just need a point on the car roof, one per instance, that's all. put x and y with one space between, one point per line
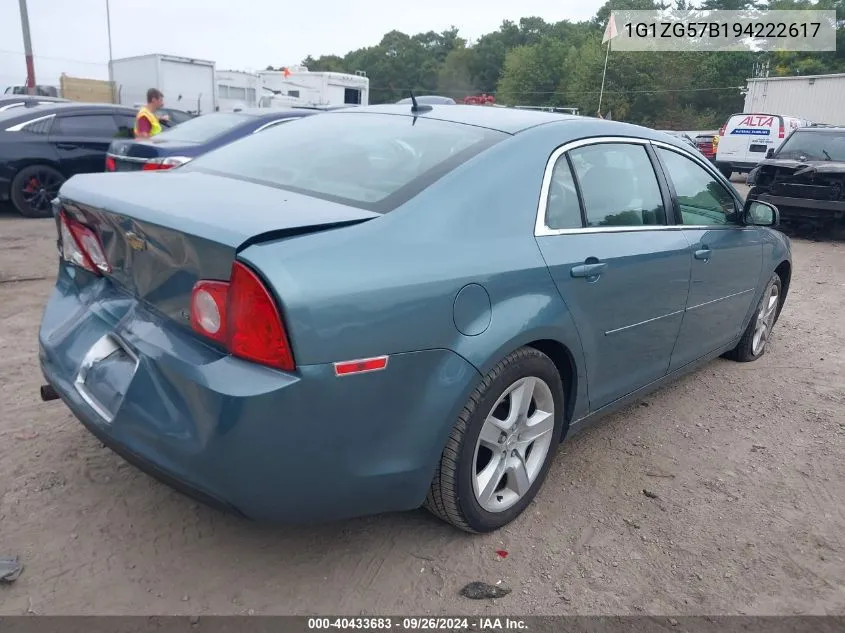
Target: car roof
822 129
514 120
508 120
60 108
272 112
25 98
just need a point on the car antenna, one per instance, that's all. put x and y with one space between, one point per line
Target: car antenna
417 107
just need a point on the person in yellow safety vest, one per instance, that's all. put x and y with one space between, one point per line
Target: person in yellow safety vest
147 123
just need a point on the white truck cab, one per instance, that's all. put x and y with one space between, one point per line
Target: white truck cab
745 139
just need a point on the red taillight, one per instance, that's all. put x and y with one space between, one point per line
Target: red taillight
242 315
110 164
81 246
168 162
781 131
155 166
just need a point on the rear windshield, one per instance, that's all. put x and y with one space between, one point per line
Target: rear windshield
372 161
814 146
204 128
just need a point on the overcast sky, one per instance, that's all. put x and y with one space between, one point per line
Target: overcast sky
70 35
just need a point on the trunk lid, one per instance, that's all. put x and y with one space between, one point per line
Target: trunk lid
130 155
163 231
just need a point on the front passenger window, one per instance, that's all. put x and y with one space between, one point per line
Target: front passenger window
702 199
618 185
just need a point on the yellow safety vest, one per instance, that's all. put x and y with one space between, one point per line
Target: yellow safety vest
155 125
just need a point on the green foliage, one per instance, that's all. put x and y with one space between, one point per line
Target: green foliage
533 62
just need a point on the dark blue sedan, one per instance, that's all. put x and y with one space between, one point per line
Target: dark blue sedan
195 137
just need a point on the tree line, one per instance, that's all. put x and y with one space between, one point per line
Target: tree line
537 63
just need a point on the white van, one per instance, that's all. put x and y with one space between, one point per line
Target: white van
746 138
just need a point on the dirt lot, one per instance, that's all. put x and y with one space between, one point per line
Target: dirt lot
746 462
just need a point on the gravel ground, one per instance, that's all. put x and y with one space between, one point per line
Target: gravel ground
743 464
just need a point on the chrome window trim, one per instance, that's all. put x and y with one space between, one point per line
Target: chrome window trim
272 123
128 159
542 230
19 126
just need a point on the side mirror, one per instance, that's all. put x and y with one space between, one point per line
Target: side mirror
759 213
770 153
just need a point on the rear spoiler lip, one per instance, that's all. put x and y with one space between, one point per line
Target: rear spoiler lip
279 234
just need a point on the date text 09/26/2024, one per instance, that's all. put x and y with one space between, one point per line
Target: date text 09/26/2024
417 624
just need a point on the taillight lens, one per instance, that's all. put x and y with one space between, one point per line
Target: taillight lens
781 131
81 246
208 309
110 164
242 315
168 162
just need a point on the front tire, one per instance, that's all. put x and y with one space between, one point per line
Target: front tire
755 339
502 446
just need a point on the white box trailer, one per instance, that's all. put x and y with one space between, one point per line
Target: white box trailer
188 84
237 89
818 98
302 87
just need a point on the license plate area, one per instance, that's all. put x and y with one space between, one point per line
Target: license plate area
105 375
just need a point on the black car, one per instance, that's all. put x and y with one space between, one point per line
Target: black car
44 145
176 116
805 179
197 136
7 102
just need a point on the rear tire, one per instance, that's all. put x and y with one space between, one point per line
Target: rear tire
33 189
756 337
484 482
727 172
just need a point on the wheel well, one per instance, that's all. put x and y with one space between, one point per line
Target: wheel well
562 358
784 271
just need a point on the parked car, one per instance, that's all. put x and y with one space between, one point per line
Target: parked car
805 177
745 138
375 309
193 138
428 100
176 116
21 101
707 143
42 146
682 136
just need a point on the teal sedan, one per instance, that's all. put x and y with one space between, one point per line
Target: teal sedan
389 307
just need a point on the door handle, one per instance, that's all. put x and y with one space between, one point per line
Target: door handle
588 270
66 145
703 254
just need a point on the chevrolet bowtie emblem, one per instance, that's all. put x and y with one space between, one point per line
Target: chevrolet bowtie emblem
136 243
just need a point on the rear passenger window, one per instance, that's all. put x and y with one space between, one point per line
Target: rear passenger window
96 125
563 211
618 185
